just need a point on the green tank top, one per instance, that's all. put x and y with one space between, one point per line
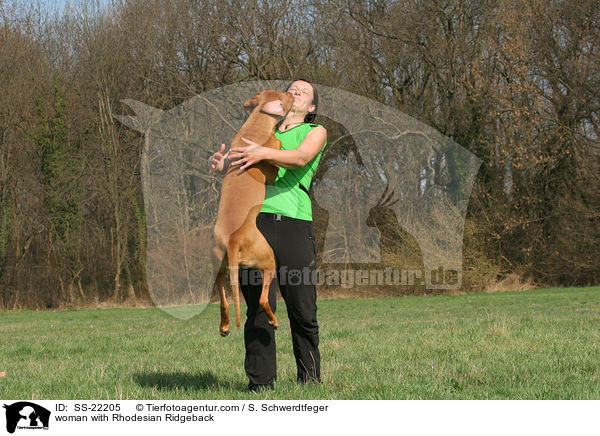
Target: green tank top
288 195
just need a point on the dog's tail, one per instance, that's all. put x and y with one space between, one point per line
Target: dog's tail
233 251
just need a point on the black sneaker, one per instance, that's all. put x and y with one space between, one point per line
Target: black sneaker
261 388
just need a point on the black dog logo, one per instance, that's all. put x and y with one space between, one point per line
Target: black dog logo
30 413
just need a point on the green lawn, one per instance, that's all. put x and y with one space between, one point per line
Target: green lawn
541 344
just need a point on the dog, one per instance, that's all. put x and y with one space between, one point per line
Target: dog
237 240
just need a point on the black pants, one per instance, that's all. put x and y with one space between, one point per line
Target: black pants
293 243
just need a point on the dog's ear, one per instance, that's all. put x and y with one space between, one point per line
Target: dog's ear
252 103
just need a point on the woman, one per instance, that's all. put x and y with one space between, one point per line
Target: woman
286 222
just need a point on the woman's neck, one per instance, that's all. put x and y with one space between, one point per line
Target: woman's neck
291 121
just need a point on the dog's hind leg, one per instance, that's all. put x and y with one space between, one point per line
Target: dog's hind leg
256 253
266 264
233 250
220 283
217 262
267 277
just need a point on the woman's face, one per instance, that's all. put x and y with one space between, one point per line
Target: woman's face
303 96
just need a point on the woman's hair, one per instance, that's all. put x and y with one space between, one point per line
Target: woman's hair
310 117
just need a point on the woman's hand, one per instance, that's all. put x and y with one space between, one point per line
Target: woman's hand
217 161
247 156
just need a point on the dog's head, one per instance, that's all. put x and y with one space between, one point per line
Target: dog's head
271 102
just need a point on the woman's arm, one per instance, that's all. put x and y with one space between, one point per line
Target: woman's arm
306 151
219 162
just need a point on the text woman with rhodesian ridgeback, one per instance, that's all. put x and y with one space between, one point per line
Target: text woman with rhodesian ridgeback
285 220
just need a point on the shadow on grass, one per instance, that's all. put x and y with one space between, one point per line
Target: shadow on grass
183 380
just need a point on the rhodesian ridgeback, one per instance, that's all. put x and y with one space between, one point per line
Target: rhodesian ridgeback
237 240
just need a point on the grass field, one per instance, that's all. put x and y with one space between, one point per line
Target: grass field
540 344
